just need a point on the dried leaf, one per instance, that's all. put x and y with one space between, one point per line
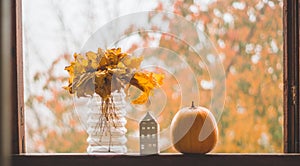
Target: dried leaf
143 98
107 71
146 82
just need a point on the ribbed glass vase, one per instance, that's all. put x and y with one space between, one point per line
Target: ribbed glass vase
107 136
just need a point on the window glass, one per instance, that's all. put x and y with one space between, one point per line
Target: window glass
245 37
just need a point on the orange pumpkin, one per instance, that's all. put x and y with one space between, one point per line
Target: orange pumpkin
194 130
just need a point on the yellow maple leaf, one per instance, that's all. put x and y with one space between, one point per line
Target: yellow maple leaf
143 98
146 82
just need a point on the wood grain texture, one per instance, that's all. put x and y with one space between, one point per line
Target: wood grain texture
17 97
291 76
165 160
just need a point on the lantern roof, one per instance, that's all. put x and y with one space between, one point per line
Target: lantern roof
148 117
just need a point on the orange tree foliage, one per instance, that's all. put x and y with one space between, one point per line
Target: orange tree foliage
51 123
247 35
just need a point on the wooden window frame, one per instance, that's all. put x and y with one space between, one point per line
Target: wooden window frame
291 76
291 155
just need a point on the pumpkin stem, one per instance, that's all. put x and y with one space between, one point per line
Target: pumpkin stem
193 106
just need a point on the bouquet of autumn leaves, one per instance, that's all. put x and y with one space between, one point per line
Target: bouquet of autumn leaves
104 72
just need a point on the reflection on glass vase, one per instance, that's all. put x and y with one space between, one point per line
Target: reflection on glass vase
107 136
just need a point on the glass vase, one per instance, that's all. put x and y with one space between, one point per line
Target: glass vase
107 136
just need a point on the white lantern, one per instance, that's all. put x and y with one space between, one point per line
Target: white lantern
149 130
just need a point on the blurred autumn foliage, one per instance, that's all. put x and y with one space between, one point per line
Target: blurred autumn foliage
248 37
54 126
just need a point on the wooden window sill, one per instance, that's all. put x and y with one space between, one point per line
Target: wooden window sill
74 159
